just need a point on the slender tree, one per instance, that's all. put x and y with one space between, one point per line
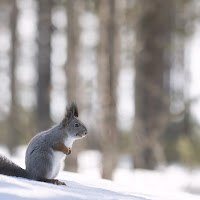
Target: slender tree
108 63
14 135
181 122
73 30
152 62
44 63
72 74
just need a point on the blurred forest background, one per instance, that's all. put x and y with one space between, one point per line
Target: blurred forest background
129 65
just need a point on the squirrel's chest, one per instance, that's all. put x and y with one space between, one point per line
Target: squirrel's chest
58 158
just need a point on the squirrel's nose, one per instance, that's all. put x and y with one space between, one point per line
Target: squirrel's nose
85 131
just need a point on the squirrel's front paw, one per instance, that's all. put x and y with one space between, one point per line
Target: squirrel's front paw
69 151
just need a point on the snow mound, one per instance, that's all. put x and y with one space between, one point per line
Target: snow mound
84 187
78 188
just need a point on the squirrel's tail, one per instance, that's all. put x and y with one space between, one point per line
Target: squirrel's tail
9 168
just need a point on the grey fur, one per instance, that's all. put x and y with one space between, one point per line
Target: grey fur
41 159
11 169
74 109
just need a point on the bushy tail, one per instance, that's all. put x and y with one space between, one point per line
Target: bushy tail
9 168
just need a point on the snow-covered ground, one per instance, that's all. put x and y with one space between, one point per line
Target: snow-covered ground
78 187
169 183
146 186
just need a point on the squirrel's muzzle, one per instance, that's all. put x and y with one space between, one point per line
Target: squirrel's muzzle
82 134
85 131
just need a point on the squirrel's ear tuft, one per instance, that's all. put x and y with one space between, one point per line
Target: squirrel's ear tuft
74 109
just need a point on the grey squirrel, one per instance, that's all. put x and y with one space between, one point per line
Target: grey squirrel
47 150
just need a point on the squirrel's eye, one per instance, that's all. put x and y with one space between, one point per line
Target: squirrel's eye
76 125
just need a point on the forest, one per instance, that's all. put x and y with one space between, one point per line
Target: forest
128 64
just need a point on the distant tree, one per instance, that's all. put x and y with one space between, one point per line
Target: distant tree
44 63
108 63
72 73
182 126
152 69
73 31
14 134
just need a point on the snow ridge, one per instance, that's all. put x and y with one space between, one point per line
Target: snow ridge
78 188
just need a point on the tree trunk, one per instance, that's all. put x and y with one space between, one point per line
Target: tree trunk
14 134
72 74
73 30
108 55
44 60
152 61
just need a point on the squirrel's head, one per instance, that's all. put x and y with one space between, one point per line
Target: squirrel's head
74 127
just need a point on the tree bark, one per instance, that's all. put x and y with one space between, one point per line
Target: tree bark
108 63
72 73
14 134
152 62
73 30
44 64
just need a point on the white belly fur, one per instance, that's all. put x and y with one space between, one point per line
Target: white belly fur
58 158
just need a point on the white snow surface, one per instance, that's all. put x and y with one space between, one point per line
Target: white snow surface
167 183
83 187
78 187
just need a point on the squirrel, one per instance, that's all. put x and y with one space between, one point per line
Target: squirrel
47 150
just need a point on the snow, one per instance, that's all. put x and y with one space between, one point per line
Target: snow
166 183
171 183
144 185
78 187
138 185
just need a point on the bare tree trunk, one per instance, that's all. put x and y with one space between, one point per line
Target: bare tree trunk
153 61
72 74
108 55
14 135
44 62
73 30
